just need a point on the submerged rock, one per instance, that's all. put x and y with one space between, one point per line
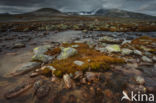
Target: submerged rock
109 39
113 48
67 52
17 91
41 89
79 63
28 67
19 45
91 76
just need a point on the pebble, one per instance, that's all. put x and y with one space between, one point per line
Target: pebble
79 63
140 80
137 52
19 45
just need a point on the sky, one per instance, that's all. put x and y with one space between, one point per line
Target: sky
22 6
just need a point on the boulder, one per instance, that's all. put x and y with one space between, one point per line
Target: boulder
42 58
41 49
67 52
39 54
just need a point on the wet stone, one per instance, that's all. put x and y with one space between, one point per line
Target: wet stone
137 52
19 45
42 91
146 59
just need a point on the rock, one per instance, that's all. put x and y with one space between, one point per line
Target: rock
108 39
82 41
39 54
91 43
103 44
42 91
34 74
132 65
126 51
154 58
102 50
83 80
37 85
148 54
140 80
42 58
137 52
67 80
17 91
75 46
78 74
91 76
28 67
41 49
144 48
146 59
67 52
113 48
19 45
79 63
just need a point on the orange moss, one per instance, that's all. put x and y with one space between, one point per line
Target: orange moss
145 42
92 59
53 52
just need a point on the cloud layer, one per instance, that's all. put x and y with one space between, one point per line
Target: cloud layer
21 6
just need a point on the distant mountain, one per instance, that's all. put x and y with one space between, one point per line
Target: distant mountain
45 12
122 14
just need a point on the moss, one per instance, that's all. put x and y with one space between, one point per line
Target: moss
96 61
58 73
55 51
145 43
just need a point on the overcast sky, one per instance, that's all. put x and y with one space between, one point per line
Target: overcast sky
21 6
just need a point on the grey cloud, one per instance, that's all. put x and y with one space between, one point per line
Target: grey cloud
19 6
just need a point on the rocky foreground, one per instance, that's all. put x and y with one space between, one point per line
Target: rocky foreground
86 69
